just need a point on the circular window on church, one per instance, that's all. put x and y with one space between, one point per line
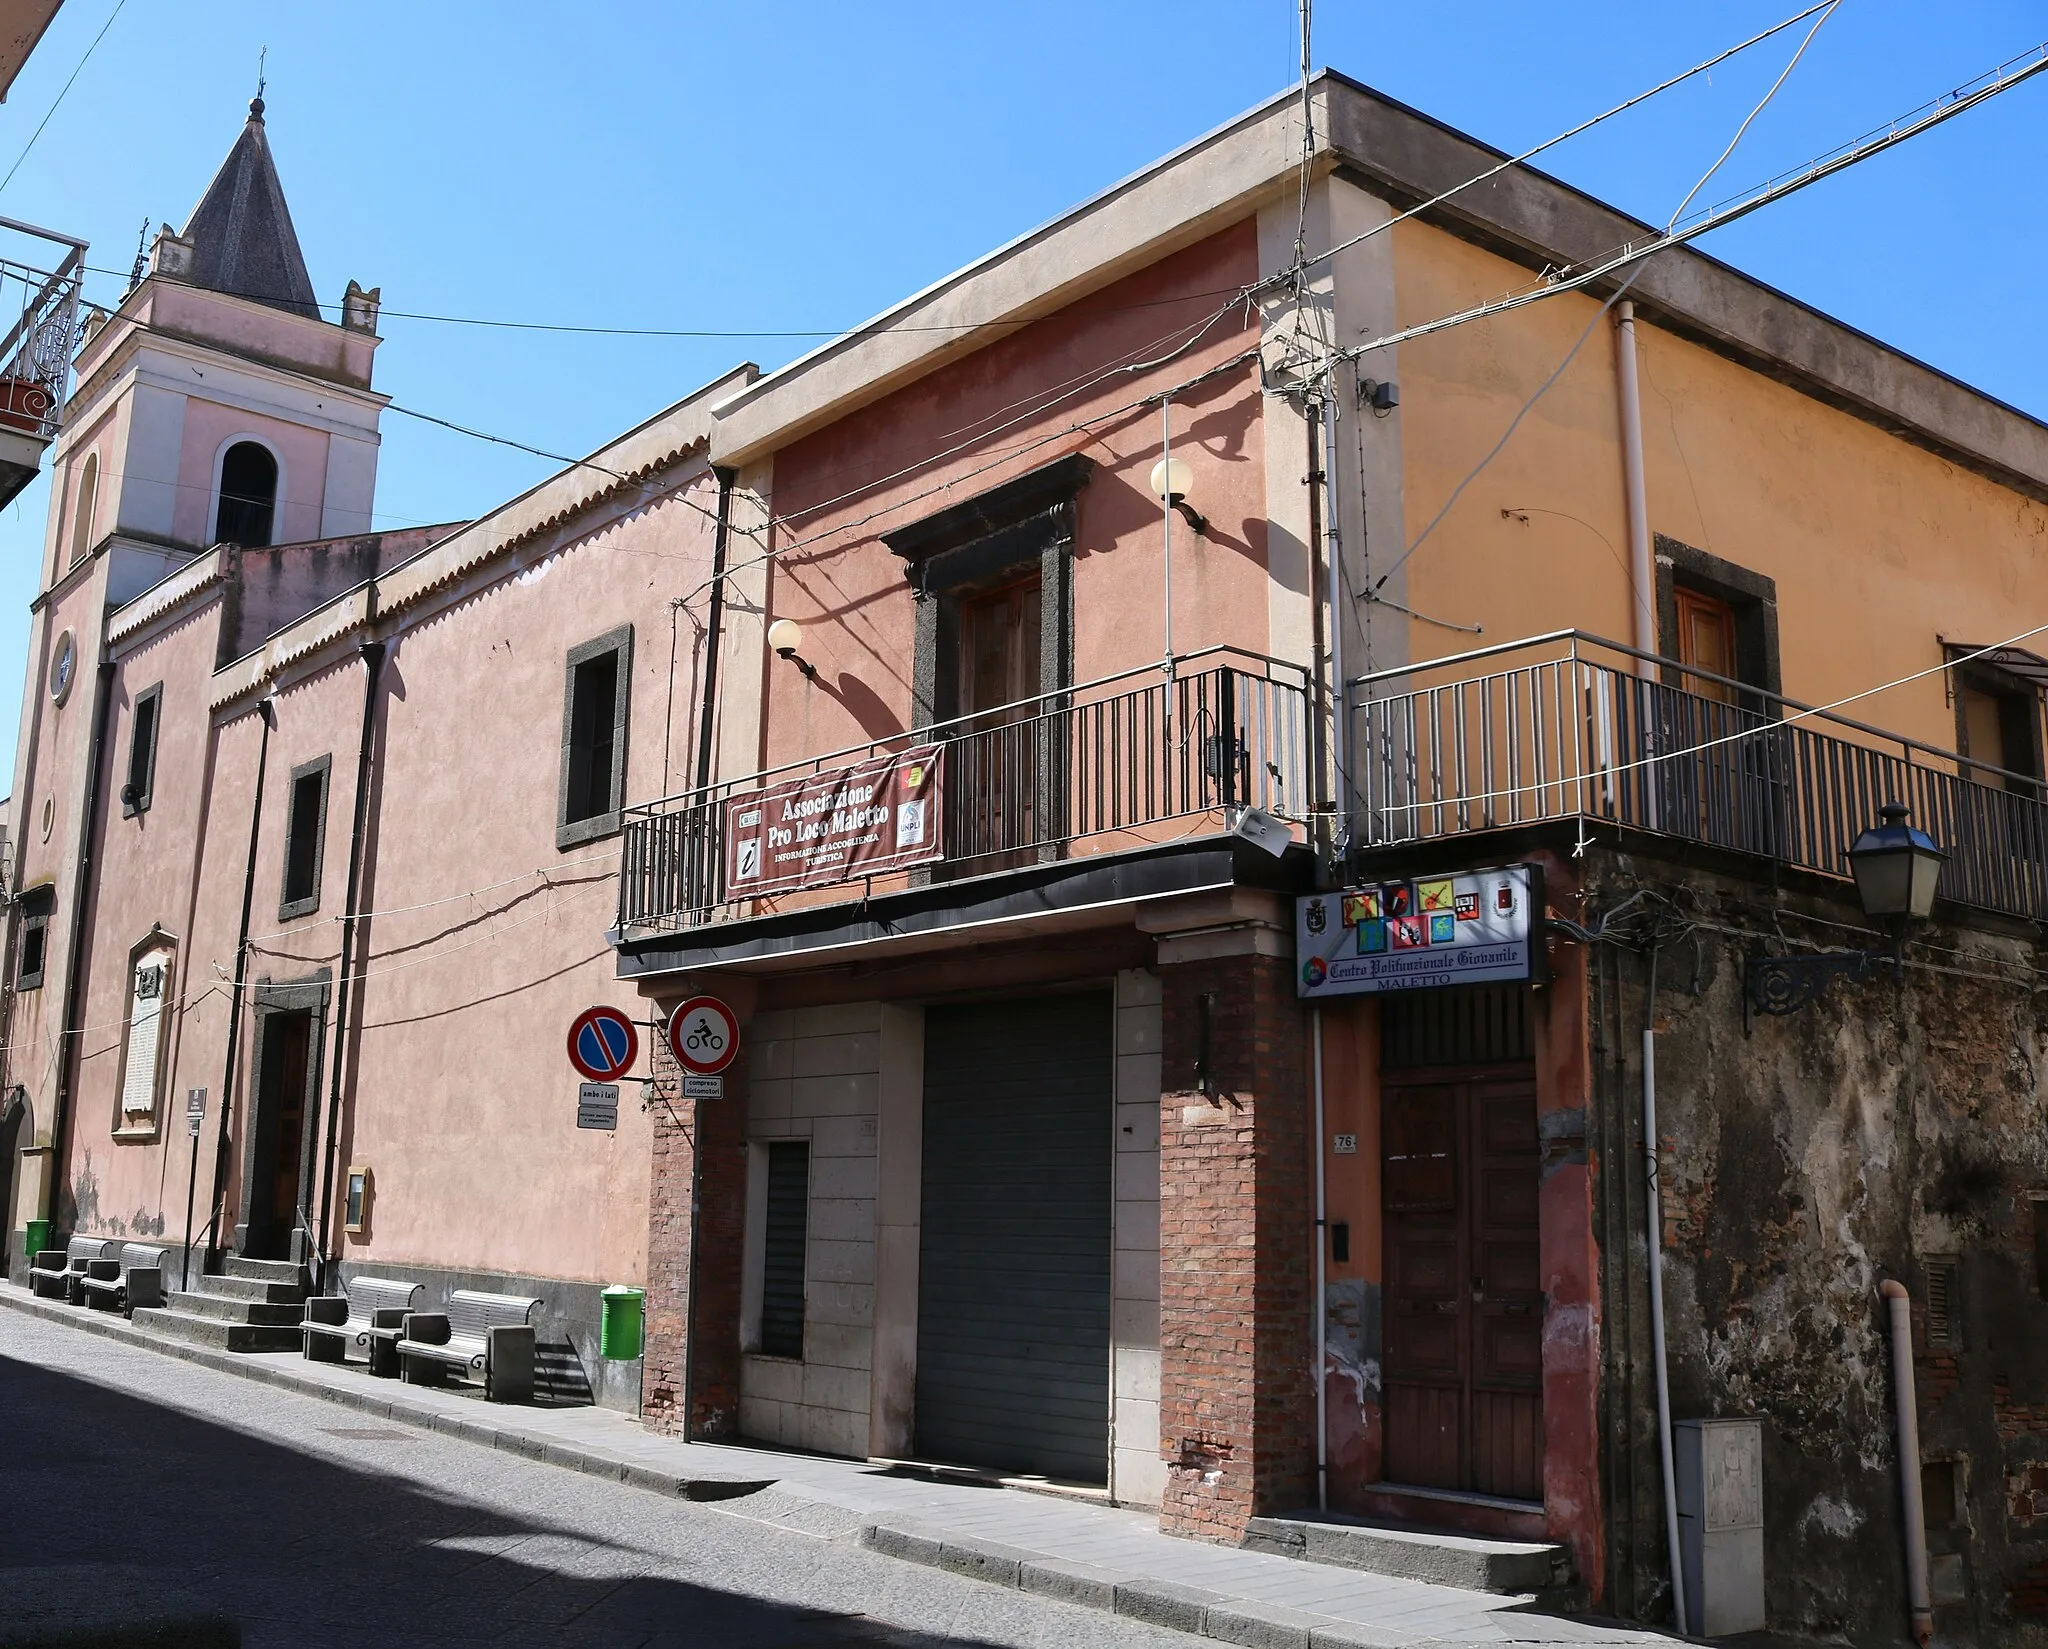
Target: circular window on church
63 666
49 815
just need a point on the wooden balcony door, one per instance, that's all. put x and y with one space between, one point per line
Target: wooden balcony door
993 784
1463 1297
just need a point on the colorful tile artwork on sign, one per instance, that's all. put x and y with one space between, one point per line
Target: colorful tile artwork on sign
1470 928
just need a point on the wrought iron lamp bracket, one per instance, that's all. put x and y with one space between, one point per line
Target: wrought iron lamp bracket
1780 985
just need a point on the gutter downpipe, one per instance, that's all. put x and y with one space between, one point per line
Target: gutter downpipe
1322 1283
705 722
266 712
74 976
1654 1204
373 671
1340 710
1642 569
1900 1305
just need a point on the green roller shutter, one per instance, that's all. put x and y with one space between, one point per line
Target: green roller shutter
1014 1259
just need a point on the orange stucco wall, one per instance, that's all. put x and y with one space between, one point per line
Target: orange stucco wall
1879 549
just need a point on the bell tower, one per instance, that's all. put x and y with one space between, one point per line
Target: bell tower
218 403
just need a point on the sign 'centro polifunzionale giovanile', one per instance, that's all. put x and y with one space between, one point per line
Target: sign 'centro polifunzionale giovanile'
1469 928
828 827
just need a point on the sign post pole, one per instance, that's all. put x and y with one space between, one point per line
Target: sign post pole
195 1114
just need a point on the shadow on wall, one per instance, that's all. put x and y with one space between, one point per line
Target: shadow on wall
296 1547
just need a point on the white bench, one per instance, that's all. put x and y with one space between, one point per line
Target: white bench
134 1278
56 1273
370 1316
491 1334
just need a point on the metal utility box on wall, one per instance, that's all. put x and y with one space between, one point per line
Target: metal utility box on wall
1720 1471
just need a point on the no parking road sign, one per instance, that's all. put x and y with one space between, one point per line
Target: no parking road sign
603 1044
704 1036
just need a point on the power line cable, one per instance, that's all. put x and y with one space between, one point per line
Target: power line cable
58 103
1542 389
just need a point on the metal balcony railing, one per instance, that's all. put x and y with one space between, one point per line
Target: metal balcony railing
1563 726
1027 783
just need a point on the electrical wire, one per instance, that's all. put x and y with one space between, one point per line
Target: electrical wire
1599 315
1908 126
58 103
450 898
1528 155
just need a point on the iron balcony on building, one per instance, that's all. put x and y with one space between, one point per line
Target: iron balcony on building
1131 761
1567 726
39 307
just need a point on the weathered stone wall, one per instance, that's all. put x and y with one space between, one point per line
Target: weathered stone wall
1892 1128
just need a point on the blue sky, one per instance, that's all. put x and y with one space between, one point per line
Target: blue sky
790 165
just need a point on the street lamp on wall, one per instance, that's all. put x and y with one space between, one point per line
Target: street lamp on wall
1897 869
785 635
1172 481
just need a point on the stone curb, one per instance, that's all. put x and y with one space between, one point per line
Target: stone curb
385 1405
1157 1602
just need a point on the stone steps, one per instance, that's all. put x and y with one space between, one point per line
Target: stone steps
252 1288
230 1309
218 1332
1473 1562
267 1271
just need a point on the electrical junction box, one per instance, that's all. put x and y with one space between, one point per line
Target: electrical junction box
1720 1473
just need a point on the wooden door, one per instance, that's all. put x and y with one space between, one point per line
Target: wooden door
1463 1296
993 782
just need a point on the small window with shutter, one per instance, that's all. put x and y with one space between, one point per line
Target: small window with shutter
149 989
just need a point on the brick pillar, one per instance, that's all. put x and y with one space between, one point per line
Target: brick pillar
681 1127
1236 1212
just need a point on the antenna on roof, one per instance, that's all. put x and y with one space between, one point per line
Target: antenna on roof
141 256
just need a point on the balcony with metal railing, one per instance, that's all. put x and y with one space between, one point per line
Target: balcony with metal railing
40 275
1136 760
1567 726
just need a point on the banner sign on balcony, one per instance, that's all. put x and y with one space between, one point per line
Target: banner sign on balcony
1471 929
829 827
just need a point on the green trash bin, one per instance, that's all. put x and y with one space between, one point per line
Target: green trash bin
620 1339
36 1239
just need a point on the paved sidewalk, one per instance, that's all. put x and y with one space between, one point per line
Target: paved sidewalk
1094 1555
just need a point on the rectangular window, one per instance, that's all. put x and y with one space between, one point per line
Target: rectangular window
782 1270
36 906
305 838
142 752
149 987
594 701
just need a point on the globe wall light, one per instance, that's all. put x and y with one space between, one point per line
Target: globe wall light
1172 481
785 635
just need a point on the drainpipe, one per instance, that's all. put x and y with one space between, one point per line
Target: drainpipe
266 712
1318 594
373 671
1901 1308
1654 1202
74 975
1642 570
1321 1310
707 710
1340 724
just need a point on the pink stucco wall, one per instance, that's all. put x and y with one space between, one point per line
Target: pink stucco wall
484 942
837 490
302 465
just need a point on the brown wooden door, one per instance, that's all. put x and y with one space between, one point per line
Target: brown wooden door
1463 1295
993 780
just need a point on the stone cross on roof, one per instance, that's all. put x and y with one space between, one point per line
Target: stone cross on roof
241 231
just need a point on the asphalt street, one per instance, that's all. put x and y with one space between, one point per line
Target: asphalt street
136 1482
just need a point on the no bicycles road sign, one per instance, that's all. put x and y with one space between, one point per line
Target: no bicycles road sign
603 1044
703 1035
